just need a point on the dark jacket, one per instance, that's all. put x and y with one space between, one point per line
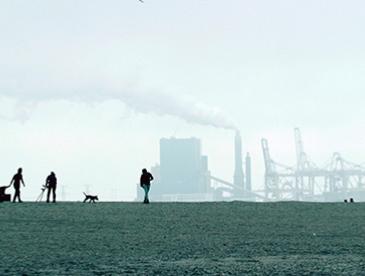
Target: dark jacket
51 180
146 178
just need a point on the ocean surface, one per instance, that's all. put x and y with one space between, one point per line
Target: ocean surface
225 238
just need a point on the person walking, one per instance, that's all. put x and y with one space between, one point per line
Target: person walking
51 184
17 178
145 183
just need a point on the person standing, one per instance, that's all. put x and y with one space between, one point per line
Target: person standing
51 184
145 183
17 178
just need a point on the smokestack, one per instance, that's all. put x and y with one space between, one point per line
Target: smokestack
238 179
248 173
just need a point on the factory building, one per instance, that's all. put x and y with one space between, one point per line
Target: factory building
183 172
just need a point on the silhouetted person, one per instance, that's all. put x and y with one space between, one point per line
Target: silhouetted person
352 200
145 183
51 184
345 201
17 178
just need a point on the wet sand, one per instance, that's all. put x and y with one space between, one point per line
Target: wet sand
233 238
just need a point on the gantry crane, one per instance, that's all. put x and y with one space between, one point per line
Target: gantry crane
307 181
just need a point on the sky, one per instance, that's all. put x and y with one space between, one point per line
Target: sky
87 88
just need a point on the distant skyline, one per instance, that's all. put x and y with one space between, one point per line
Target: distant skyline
88 88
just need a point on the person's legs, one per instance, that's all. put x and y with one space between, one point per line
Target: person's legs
16 195
146 188
48 193
19 197
54 194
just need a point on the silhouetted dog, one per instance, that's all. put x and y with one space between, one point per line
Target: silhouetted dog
91 198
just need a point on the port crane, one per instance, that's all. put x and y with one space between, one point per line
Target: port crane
307 181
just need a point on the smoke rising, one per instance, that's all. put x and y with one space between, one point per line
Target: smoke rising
139 100
184 108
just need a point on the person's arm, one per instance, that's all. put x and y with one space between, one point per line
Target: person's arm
21 179
151 177
11 182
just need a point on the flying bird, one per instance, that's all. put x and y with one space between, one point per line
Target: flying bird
141 1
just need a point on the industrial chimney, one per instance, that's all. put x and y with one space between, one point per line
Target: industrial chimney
248 186
238 179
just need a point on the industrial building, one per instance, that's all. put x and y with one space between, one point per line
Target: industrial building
183 174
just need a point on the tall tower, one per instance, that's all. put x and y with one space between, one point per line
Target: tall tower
248 173
238 179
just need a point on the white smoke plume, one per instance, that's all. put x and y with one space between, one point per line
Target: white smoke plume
139 100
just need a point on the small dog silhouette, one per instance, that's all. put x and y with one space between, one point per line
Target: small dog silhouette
91 198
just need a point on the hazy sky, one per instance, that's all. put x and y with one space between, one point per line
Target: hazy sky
87 88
